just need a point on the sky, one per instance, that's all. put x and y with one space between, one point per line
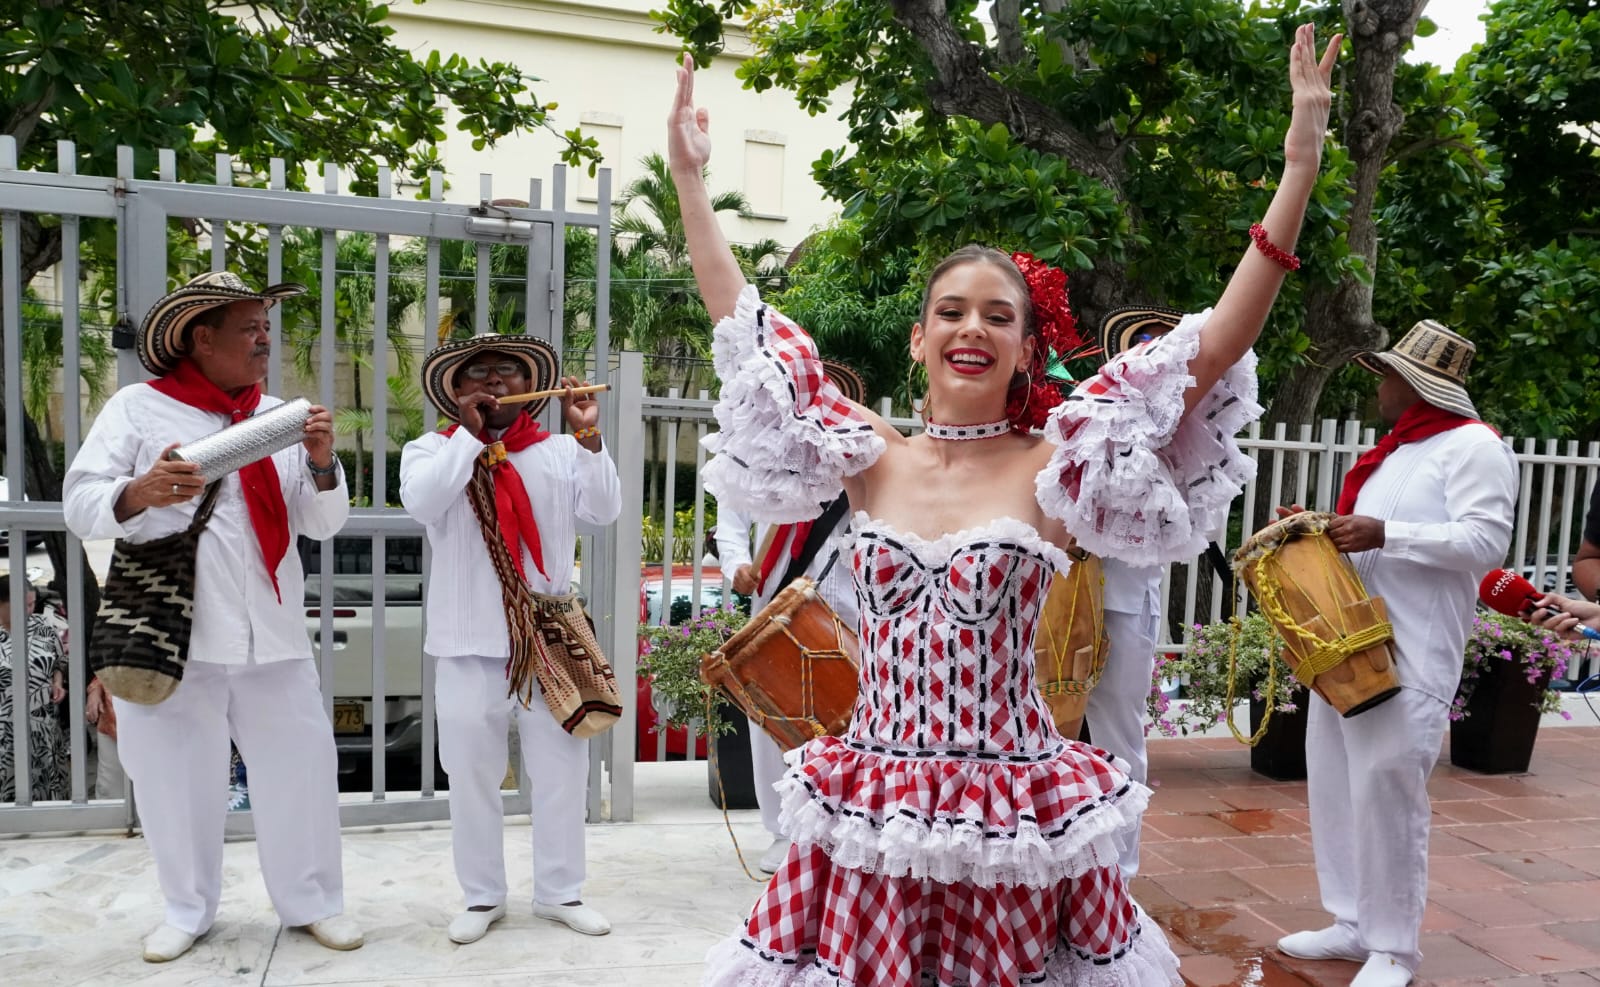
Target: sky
1459 29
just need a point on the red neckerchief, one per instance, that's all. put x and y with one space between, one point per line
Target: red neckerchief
512 507
263 495
794 535
1420 421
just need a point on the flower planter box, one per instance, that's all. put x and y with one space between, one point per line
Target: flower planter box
1281 754
1502 720
730 755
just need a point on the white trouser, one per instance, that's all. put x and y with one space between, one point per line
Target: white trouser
1117 704
1368 782
109 778
474 716
766 767
176 753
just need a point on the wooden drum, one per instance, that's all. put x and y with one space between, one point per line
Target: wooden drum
793 668
1070 645
1336 637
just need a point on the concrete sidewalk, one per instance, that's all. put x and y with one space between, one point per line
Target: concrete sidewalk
1514 895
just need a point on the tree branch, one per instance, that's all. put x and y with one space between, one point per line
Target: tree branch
961 87
1007 18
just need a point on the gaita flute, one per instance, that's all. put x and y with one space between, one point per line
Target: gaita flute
554 392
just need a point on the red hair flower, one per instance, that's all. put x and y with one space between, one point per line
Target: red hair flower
1028 407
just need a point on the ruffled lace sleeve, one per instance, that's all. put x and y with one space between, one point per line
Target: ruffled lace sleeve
787 436
1132 477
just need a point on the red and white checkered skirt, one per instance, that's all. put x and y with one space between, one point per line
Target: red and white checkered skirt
821 924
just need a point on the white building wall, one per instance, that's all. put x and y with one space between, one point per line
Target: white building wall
612 74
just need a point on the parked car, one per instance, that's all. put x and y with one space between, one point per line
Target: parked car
1555 578
355 715
680 610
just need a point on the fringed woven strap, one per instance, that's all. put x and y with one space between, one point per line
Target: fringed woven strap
521 620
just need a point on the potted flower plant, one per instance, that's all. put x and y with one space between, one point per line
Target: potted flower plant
1505 687
671 657
1259 675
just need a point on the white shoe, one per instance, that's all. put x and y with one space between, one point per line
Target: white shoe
470 926
1382 970
776 854
578 918
337 932
166 944
1333 943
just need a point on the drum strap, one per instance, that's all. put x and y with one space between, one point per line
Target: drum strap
817 537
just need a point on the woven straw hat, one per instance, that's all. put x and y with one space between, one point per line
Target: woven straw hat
1122 327
847 380
439 369
1434 360
161 342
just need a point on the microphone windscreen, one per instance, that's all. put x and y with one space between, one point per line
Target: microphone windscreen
1507 592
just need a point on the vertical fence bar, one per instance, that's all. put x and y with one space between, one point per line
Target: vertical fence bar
329 327
669 514
72 436
275 180
430 308
699 510
483 269
16 471
1325 465
1547 476
380 498
219 227
1569 477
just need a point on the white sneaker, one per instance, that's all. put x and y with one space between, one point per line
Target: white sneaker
1333 943
578 918
1382 970
776 854
470 926
337 932
166 944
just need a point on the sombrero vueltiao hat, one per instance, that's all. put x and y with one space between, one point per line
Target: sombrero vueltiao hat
439 369
1433 359
1121 328
161 342
847 380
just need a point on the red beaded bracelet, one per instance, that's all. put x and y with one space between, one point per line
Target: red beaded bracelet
1276 254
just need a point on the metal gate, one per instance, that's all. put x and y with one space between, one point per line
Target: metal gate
142 212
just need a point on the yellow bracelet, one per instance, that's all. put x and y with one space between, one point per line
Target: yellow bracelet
586 433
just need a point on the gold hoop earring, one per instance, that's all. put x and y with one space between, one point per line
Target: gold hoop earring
925 408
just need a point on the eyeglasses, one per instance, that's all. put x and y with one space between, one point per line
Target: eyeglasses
506 368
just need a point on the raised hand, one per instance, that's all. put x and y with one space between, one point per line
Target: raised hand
1311 80
688 129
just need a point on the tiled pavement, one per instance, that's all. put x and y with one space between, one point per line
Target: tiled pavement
1514 869
1514 897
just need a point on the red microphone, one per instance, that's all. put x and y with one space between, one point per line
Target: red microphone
1510 594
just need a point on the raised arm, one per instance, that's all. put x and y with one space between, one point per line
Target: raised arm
1242 311
688 152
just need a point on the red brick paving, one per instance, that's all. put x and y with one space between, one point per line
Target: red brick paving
1514 869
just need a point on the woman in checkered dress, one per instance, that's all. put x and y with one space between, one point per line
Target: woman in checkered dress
952 837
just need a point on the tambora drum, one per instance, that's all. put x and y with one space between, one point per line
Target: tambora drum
1070 644
1336 636
793 668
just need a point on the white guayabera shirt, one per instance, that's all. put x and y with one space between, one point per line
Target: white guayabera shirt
237 616
1447 503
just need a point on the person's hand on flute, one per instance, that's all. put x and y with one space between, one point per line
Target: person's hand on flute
581 411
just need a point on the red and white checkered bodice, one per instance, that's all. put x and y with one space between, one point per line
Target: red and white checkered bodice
947 643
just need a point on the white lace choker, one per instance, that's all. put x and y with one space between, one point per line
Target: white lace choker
934 430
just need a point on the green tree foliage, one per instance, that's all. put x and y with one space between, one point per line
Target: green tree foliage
1132 142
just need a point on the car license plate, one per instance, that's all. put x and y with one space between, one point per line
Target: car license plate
348 718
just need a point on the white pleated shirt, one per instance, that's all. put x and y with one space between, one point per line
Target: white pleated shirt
566 484
237 616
